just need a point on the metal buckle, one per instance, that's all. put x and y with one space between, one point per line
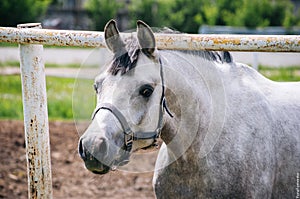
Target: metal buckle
128 138
128 141
158 132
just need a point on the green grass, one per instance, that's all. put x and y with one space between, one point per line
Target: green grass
10 64
281 74
47 65
7 44
59 95
62 95
10 97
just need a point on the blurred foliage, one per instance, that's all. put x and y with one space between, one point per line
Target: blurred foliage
155 13
188 15
259 13
101 11
183 15
13 12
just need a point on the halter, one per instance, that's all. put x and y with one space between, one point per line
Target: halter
129 135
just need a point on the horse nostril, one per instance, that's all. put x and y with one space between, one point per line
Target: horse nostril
81 151
99 152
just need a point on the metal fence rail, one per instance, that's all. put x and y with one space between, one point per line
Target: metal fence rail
258 43
34 89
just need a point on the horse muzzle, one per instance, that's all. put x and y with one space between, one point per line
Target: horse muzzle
90 161
101 158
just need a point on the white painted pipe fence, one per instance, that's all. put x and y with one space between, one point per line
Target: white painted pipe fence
31 39
259 43
35 119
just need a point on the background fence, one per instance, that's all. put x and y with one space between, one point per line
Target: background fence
31 38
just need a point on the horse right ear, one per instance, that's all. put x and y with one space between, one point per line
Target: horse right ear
112 37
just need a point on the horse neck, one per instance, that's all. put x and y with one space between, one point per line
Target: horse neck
189 82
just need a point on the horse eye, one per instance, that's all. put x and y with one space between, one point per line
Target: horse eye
146 91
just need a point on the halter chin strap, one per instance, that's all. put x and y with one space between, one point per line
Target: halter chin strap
129 135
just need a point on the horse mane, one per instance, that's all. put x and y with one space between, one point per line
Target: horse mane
124 62
209 55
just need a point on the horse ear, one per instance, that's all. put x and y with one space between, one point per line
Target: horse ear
145 37
112 37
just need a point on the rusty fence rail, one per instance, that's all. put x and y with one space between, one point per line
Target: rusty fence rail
258 43
32 38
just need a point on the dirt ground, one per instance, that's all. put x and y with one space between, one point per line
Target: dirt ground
70 179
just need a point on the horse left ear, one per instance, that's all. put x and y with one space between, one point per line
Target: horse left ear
145 37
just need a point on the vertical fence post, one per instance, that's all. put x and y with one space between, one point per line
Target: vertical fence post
35 119
255 60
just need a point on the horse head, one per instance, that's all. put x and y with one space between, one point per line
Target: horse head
130 101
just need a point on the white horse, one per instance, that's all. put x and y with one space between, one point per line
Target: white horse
228 132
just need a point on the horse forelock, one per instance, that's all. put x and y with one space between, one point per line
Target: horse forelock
126 60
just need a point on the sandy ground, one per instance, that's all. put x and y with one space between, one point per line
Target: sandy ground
70 178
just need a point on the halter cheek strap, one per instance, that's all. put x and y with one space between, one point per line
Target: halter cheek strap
129 135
